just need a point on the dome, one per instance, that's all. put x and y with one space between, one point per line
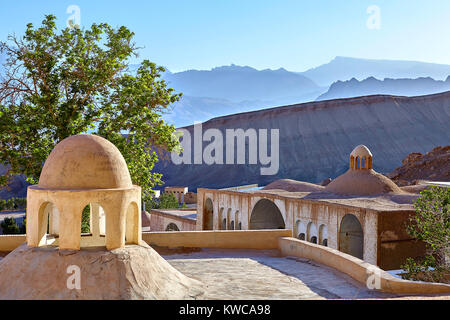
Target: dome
361 151
85 162
362 182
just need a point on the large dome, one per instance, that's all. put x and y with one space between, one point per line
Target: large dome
362 182
85 162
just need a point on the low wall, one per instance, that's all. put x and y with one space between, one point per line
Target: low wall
224 239
10 242
358 269
159 220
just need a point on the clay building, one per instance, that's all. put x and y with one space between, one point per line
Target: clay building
361 212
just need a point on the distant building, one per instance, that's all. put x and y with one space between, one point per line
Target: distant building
179 192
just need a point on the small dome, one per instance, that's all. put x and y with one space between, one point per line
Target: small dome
361 151
85 162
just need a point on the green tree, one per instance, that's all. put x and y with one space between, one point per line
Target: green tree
431 224
167 200
10 226
86 220
61 83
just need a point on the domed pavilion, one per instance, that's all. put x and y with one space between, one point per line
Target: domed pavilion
84 170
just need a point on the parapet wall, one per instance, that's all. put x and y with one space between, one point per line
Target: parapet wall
10 242
236 239
358 269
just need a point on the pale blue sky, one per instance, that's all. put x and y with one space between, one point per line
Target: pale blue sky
293 34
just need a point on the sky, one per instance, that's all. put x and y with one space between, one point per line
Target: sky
292 34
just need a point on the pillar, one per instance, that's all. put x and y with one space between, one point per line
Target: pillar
70 226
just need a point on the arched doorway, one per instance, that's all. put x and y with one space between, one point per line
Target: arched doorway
221 220
351 236
323 235
208 222
266 215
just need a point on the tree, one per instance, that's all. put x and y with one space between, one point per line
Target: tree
167 200
10 226
431 224
58 84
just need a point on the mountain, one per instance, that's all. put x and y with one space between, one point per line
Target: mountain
345 68
236 83
231 89
370 86
316 138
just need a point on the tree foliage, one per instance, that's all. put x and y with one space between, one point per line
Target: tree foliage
10 226
431 224
62 83
167 200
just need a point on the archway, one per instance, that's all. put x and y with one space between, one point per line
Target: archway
300 230
221 219
323 235
229 219
172 227
266 215
311 231
351 236
132 224
208 217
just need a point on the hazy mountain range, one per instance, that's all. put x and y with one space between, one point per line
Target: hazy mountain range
345 68
370 86
233 89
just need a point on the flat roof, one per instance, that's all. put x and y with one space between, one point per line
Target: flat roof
264 274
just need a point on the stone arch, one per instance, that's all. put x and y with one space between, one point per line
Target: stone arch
132 231
323 235
300 230
236 219
229 219
311 231
53 220
43 222
220 219
172 227
208 216
266 215
95 234
351 236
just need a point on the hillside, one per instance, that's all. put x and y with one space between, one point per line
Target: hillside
433 165
371 86
316 138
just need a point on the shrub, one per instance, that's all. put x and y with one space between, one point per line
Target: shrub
431 224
